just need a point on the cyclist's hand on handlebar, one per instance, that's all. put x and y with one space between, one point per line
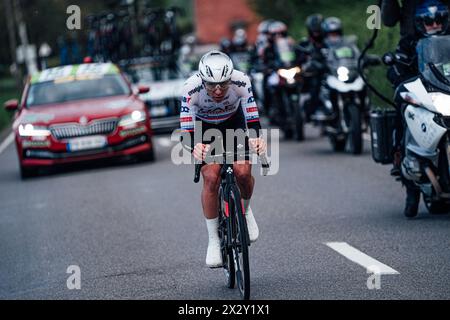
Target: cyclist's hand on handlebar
200 151
259 145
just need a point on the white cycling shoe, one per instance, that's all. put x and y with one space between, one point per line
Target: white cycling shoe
214 255
252 227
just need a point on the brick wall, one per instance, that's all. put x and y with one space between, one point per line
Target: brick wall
213 19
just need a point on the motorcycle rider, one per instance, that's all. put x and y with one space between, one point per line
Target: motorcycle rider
332 33
403 12
239 41
430 19
313 61
273 60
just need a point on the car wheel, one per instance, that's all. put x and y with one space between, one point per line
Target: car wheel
148 156
27 172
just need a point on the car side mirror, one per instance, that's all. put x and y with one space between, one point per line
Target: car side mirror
11 105
143 89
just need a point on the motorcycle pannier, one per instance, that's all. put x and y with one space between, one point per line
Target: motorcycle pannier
382 125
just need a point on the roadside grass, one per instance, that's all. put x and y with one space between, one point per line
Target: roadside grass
8 90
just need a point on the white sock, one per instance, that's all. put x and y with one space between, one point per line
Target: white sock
213 228
246 204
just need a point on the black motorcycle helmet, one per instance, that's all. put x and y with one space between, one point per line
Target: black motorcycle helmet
314 26
225 45
431 18
332 25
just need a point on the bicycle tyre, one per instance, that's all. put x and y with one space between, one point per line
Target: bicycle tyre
240 245
227 253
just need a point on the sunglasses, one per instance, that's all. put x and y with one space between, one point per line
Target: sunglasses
214 85
439 18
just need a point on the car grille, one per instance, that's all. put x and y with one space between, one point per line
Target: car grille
78 130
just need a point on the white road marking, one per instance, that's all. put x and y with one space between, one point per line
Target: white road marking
164 142
9 139
361 258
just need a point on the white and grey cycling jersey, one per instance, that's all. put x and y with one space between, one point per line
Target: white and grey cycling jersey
197 104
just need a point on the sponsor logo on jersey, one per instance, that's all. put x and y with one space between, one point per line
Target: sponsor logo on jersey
239 83
197 89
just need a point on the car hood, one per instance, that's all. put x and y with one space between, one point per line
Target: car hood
163 90
73 111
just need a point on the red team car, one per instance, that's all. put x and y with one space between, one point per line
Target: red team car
77 113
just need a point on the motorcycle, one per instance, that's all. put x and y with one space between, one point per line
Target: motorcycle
425 108
344 97
286 83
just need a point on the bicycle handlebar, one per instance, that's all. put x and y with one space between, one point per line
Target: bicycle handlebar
264 164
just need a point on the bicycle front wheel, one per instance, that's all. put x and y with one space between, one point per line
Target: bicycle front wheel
227 252
240 246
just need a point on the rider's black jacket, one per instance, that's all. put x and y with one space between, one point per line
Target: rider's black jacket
312 51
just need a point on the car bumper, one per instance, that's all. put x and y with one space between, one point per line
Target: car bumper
45 157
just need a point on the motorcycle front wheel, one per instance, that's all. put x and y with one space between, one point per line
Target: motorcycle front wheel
355 140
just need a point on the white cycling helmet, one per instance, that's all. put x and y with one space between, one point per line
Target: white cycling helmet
215 67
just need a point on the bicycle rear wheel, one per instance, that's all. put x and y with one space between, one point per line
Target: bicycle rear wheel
240 245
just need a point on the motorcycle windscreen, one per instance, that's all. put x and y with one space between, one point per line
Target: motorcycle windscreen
345 55
434 60
286 51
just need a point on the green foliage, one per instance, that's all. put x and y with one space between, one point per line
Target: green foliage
7 91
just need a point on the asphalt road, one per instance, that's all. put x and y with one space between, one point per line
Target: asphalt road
136 231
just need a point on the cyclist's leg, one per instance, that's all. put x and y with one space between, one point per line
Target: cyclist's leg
211 183
243 172
244 178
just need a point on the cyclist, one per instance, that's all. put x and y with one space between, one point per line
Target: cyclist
219 97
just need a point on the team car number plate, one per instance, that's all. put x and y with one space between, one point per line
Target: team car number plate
86 143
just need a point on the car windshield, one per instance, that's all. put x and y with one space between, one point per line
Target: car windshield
63 90
434 60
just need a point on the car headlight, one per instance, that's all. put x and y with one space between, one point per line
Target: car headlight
29 130
132 118
343 74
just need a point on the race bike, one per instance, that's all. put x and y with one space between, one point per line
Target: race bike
344 97
285 83
424 102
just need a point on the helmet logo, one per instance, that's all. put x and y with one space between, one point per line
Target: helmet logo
433 10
